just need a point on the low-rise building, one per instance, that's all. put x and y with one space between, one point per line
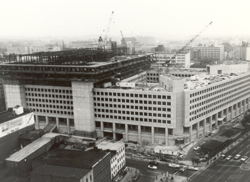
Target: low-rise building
118 159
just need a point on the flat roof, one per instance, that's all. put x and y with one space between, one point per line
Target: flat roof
28 150
8 115
72 158
105 145
61 171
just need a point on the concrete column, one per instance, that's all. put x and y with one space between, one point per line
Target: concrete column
126 132
47 120
166 136
139 134
216 120
57 122
198 127
190 133
37 122
101 129
210 127
153 135
204 126
114 135
68 128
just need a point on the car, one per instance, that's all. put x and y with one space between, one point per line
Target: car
244 158
229 157
202 159
152 167
192 168
183 168
237 157
154 163
223 156
197 148
173 165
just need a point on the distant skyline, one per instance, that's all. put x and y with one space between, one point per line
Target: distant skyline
180 19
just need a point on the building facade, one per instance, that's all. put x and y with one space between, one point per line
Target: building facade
213 52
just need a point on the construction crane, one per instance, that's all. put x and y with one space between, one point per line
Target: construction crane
124 41
169 62
107 30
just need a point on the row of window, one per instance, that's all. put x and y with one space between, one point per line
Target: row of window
49 101
52 111
48 90
132 95
131 107
50 106
133 118
49 96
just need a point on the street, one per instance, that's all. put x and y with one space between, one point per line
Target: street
225 170
148 175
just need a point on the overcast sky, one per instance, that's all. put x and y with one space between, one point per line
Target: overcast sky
170 18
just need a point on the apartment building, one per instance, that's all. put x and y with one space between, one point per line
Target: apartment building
214 52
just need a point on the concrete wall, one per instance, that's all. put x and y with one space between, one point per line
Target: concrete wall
83 106
14 94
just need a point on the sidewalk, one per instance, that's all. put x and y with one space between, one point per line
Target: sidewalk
132 173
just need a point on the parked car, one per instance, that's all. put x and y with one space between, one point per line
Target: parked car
202 159
229 157
173 165
197 148
152 167
183 168
244 158
223 156
193 168
154 163
237 157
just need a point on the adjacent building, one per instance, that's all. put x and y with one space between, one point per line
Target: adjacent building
118 159
208 52
72 166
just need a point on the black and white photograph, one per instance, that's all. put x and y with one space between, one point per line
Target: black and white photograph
125 91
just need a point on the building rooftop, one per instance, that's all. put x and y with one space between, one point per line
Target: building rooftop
28 150
72 158
105 145
8 115
61 171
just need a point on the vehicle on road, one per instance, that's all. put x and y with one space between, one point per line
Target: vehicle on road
197 148
244 158
192 168
229 157
154 163
202 159
223 156
237 157
173 165
152 167
183 168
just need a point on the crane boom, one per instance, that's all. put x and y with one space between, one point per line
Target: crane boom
109 24
189 42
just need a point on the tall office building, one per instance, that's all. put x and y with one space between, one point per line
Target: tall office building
172 110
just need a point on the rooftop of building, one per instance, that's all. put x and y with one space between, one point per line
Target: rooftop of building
61 171
9 115
72 158
107 145
28 150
